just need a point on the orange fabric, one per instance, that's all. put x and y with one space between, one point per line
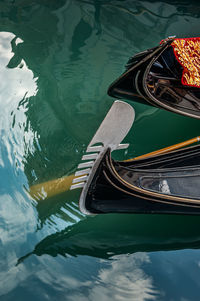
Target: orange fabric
187 52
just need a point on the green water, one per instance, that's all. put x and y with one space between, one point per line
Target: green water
57 59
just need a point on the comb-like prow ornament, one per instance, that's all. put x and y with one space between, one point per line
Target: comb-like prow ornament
110 134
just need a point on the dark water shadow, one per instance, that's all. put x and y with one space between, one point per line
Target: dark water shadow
103 236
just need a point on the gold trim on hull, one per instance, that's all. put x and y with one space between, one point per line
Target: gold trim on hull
168 197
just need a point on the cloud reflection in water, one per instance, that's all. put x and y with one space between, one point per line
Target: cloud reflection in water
17 85
121 278
17 216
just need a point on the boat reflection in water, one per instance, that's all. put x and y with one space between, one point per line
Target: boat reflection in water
127 234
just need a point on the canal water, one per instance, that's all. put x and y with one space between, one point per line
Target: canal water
57 59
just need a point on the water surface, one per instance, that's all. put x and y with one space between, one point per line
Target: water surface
57 60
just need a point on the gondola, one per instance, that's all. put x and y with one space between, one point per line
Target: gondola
164 182
166 76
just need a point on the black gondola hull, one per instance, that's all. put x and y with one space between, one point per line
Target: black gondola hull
109 193
154 77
